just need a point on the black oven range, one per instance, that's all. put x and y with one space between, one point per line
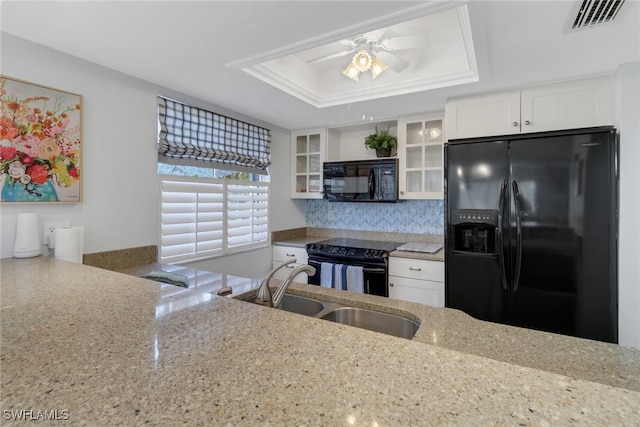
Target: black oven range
351 264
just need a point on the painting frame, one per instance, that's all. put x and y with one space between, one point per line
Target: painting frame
40 143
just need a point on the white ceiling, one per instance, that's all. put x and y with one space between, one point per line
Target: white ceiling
430 48
200 47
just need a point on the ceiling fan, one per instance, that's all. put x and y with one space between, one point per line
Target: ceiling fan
382 48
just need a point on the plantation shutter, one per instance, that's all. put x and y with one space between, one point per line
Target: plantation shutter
211 217
248 215
193 136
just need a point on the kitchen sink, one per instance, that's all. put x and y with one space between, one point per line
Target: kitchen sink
377 321
301 305
297 304
372 320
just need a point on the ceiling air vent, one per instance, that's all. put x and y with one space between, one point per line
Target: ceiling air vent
595 12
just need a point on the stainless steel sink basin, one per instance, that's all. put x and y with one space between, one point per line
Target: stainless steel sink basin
372 320
297 304
377 321
301 305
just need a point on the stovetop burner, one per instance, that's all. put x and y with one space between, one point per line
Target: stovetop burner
352 248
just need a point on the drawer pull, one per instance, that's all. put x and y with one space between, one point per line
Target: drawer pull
289 266
415 269
290 254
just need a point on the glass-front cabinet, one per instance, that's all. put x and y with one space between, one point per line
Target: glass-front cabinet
308 154
421 157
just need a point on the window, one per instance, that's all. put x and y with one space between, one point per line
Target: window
210 206
207 217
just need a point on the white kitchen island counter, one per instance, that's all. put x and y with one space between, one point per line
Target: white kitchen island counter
92 346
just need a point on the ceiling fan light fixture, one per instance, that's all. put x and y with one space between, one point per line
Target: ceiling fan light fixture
377 67
362 61
352 72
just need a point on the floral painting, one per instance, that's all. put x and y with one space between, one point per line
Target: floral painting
40 143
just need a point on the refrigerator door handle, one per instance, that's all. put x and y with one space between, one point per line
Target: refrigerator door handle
516 199
503 273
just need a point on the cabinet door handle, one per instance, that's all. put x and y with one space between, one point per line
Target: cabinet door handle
527 122
391 284
401 191
514 124
415 269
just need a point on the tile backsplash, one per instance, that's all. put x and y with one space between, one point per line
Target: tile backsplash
411 216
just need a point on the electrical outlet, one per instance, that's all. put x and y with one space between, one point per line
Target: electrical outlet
330 215
49 230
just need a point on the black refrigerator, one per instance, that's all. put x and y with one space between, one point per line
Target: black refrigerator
531 231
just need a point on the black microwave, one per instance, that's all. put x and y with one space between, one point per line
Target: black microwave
374 180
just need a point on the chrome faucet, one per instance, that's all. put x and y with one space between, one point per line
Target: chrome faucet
264 296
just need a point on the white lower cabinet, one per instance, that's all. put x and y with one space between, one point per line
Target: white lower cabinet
417 280
282 254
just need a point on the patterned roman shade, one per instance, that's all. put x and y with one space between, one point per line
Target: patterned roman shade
195 137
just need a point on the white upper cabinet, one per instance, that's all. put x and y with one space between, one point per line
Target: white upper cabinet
487 115
308 154
571 105
567 105
420 157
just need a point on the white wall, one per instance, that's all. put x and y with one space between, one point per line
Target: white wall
627 79
120 196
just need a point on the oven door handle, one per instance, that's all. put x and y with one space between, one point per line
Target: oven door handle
364 269
373 270
315 262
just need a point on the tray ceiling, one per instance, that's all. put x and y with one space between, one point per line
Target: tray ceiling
445 57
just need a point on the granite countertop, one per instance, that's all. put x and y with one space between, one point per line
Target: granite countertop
99 348
299 242
437 256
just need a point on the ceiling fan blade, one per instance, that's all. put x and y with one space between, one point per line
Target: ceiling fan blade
394 62
332 56
374 36
413 41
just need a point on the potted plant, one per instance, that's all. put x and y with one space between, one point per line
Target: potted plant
382 141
